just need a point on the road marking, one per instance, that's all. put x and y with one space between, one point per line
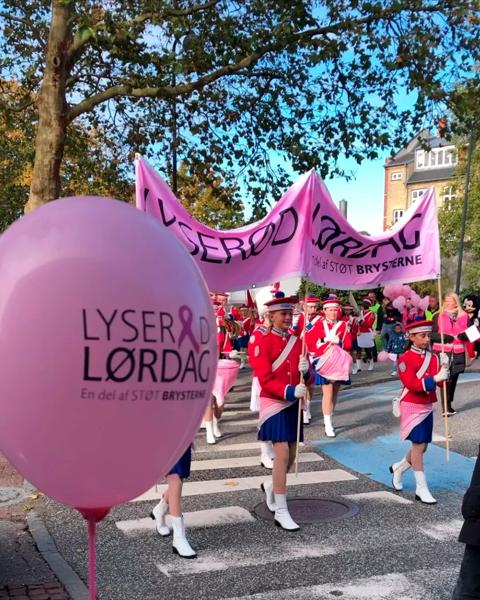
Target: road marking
221 447
231 558
225 515
395 586
380 496
444 531
216 486
373 458
244 461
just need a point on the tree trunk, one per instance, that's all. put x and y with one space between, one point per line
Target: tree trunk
52 108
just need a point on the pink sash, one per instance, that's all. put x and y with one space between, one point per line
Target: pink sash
227 371
411 415
335 364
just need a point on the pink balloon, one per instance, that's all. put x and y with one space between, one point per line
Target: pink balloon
406 291
382 356
107 353
423 304
415 299
399 303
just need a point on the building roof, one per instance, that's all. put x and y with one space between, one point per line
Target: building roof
407 154
424 175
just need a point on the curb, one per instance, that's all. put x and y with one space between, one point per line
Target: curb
62 570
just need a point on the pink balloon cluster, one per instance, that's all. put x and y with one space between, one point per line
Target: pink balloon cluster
399 293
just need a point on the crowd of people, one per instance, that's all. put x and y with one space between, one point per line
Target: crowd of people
294 345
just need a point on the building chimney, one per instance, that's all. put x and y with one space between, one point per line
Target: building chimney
442 127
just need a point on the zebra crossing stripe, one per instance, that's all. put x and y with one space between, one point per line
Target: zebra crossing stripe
219 486
208 562
381 496
220 446
244 461
444 531
225 515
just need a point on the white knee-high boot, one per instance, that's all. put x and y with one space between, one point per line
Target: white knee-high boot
267 488
210 435
422 492
158 514
397 470
216 429
329 430
265 456
180 543
282 516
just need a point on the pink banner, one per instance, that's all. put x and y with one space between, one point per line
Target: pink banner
304 234
342 258
268 250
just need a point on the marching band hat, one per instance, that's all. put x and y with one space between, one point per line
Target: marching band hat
224 294
281 304
331 303
366 299
311 300
419 326
347 307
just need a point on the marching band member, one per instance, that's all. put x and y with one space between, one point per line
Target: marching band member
366 333
266 448
247 326
171 502
420 372
281 371
350 342
332 331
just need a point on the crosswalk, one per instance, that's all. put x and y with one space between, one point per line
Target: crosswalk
241 556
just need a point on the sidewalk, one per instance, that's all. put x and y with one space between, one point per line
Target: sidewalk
24 574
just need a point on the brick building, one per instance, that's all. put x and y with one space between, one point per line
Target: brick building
413 170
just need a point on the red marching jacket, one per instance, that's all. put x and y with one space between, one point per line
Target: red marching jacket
420 390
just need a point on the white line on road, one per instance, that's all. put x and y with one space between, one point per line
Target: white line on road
229 558
225 447
381 496
444 531
225 515
216 486
244 461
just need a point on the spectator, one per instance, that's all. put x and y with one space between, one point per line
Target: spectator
396 345
391 316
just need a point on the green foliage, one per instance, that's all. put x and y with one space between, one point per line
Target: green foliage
248 80
209 201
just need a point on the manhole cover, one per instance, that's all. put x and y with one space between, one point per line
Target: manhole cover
313 510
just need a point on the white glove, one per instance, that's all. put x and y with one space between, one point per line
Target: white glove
300 390
442 375
444 359
303 365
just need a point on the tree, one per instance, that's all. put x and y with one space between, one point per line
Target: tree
243 80
209 201
89 167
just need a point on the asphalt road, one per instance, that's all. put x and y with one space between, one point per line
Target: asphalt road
393 548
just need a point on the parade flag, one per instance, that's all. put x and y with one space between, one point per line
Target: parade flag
304 235
343 258
274 248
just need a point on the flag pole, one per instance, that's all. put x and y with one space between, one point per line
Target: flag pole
306 397
444 386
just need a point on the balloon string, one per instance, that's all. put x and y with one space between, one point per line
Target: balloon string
91 558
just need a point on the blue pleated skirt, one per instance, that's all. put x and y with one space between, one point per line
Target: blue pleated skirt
422 433
321 380
282 427
182 466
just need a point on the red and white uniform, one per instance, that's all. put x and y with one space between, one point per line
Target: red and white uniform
247 326
276 384
253 342
328 331
365 324
352 332
223 339
419 390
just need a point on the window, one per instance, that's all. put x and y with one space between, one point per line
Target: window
396 176
448 197
417 194
397 214
436 158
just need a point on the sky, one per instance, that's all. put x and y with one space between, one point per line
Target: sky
364 194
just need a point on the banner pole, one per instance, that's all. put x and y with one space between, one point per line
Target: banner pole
444 387
304 342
